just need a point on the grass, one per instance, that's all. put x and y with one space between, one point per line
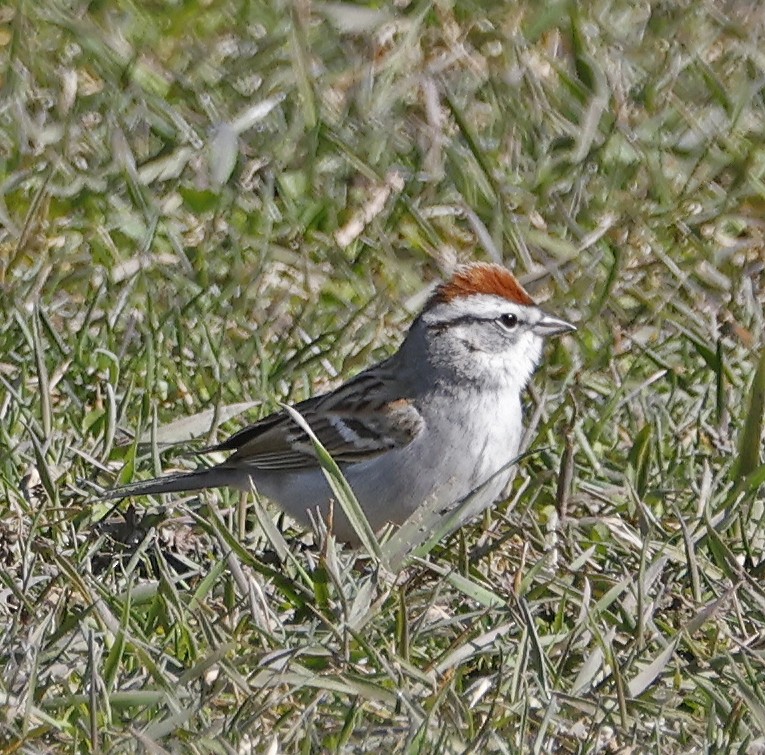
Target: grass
216 207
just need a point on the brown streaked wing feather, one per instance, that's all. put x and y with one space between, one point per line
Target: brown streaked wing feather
351 429
247 434
265 444
355 435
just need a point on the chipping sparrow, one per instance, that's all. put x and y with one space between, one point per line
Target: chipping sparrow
433 422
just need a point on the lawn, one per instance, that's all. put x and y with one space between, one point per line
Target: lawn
210 207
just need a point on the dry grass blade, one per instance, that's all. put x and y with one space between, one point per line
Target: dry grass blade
196 425
751 438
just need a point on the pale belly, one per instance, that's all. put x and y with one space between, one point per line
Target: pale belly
391 486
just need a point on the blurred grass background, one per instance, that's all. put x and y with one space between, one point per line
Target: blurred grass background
209 203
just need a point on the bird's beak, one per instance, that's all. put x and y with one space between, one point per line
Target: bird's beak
552 326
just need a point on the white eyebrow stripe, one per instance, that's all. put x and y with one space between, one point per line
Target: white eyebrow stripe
476 307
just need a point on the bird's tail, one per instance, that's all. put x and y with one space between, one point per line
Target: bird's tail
179 482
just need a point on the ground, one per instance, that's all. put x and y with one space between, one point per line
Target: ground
207 208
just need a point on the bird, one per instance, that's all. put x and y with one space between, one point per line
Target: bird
437 421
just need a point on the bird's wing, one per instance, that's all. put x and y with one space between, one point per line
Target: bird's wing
359 421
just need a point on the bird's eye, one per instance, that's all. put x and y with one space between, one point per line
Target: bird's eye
508 321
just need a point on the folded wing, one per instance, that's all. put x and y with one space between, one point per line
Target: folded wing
357 424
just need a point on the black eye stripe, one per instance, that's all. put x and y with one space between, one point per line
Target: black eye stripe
507 321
